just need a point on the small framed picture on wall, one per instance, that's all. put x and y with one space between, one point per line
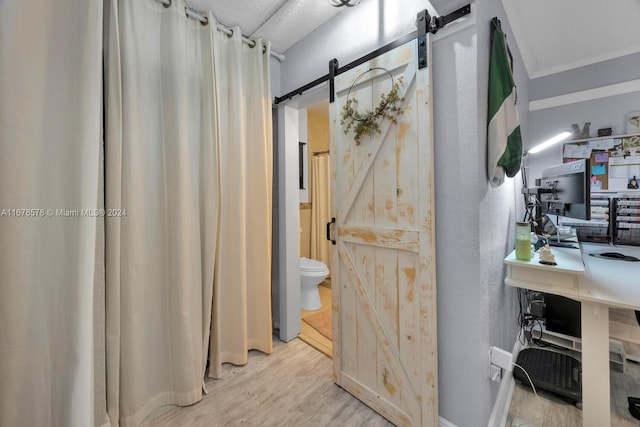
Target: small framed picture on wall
633 122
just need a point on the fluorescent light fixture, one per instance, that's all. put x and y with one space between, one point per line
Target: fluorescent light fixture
549 142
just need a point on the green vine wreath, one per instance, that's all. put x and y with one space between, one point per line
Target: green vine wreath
368 123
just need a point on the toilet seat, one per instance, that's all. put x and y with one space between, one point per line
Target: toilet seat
312 266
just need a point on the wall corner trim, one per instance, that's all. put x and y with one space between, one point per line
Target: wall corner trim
500 410
586 95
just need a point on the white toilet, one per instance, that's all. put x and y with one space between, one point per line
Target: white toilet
312 273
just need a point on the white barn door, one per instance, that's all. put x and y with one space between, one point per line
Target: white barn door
383 264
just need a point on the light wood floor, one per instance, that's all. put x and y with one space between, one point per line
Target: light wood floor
307 333
550 411
291 387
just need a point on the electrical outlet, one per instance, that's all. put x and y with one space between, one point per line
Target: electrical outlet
501 358
495 373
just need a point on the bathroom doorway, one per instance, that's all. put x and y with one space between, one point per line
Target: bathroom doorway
314 214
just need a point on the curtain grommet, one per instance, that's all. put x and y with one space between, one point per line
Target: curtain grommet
253 44
230 35
167 5
204 20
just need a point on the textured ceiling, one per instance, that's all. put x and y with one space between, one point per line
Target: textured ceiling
554 35
283 22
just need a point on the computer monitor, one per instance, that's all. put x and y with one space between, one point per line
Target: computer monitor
565 190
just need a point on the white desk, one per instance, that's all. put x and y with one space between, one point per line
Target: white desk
598 284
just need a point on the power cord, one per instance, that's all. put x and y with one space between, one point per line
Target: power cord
531 311
529 378
539 341
525 423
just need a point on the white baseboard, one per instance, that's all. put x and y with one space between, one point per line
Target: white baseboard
500 410
446 423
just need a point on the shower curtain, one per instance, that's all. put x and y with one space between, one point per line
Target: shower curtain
188 172
162 182
320 208
50 120
242 287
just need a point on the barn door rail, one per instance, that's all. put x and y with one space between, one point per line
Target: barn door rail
425 23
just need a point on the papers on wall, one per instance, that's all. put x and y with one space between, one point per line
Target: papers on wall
576 151
602 157
621 170
602 144
631 145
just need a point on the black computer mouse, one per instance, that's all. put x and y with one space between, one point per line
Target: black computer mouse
615 255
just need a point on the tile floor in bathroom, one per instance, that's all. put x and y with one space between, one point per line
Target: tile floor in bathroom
310 335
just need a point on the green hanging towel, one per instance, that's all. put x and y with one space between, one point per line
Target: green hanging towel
503 128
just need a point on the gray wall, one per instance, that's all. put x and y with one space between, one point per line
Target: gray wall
463 315
275 66
499 207
473 222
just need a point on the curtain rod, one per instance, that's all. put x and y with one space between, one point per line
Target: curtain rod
319 153
192 13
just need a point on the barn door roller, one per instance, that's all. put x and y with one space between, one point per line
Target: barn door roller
431 24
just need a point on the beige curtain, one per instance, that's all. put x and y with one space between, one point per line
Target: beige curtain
320 208
242 288
50 111
162 182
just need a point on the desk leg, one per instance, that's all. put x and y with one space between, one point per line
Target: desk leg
596 388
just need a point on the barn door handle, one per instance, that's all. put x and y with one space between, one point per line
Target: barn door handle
333 221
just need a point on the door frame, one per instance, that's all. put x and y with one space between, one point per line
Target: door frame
286 277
